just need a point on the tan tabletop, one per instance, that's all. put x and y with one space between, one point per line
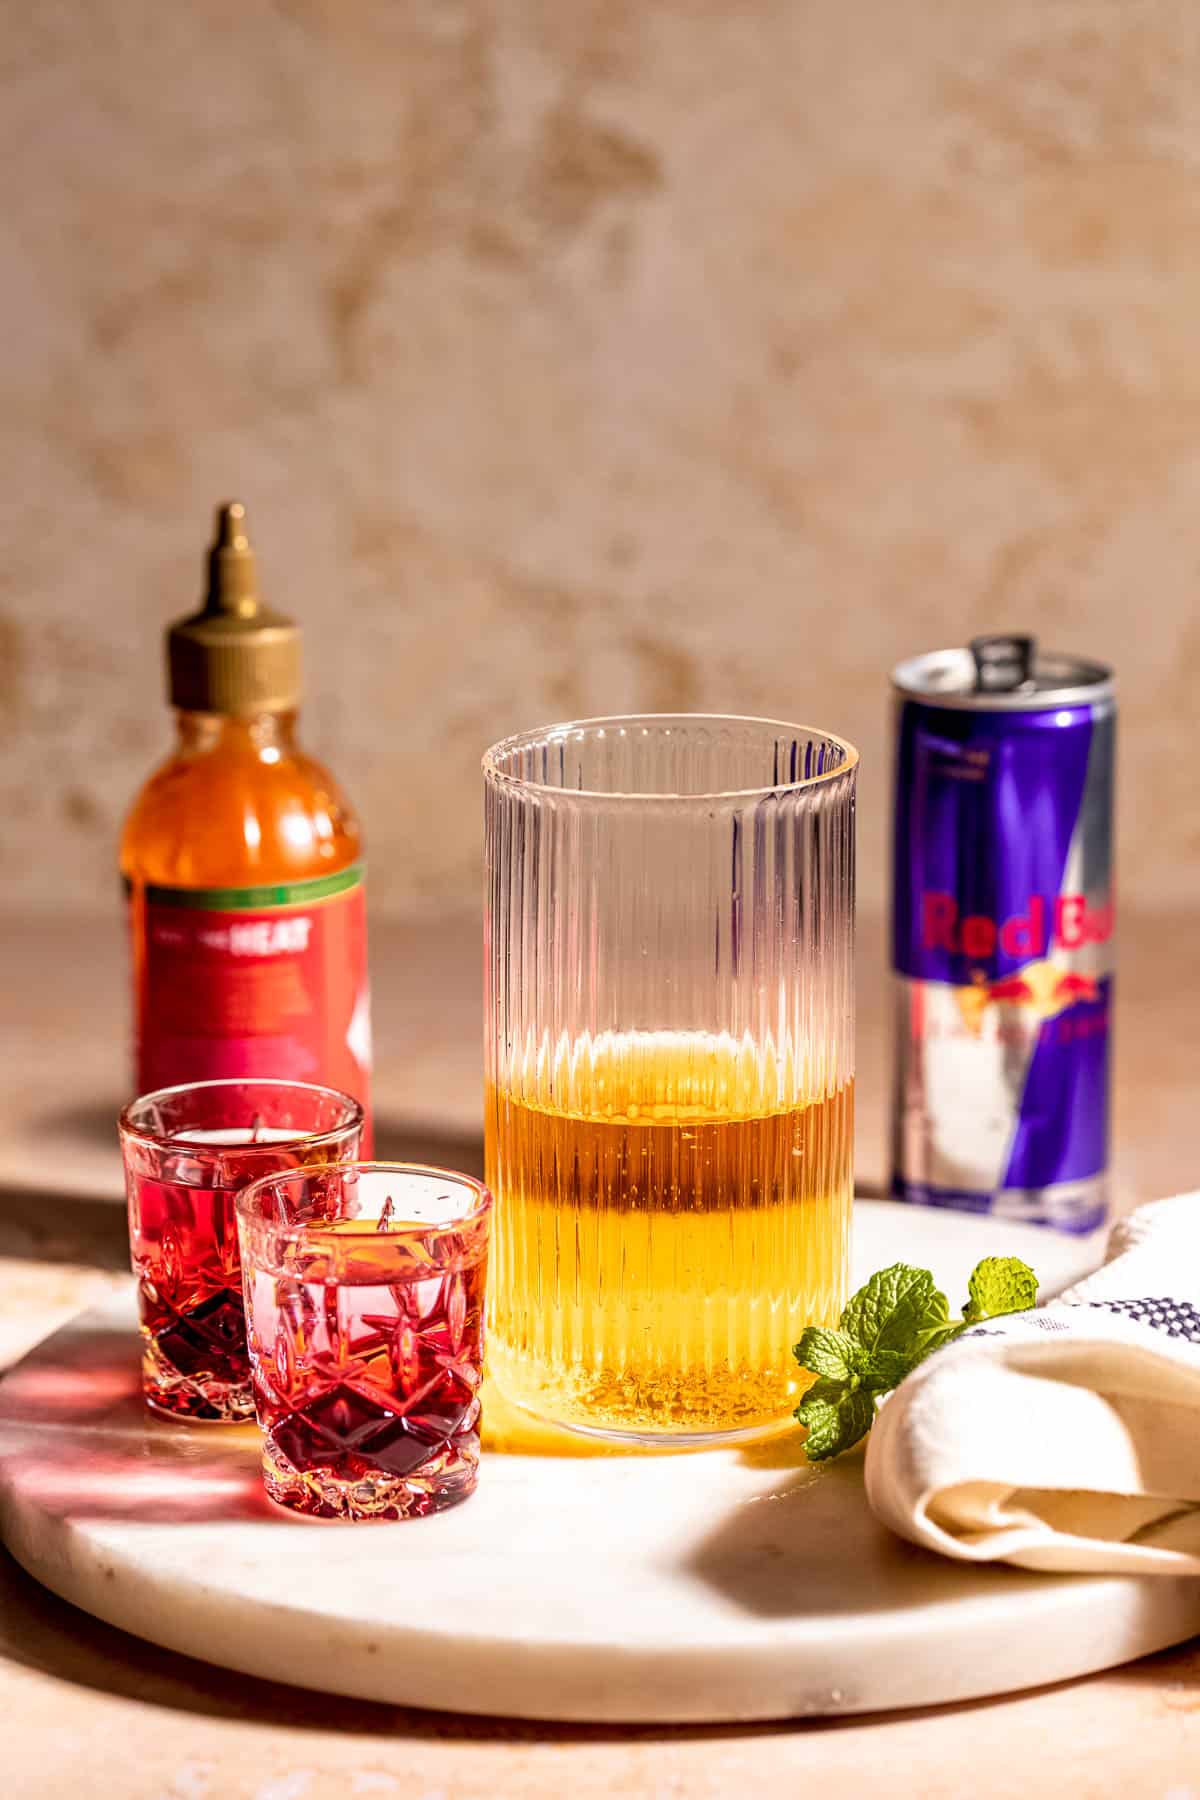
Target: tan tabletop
87 1710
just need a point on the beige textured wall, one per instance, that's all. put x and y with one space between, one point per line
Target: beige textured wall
583 355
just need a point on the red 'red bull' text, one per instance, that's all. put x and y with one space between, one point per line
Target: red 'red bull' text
1069 925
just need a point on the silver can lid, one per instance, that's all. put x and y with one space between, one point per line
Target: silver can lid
1002 674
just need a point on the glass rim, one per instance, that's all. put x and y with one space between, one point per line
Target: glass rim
481 1197
170 1140
547 734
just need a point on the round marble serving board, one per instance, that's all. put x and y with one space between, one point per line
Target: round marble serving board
577 1584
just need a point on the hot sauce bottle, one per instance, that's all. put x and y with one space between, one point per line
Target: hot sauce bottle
242 862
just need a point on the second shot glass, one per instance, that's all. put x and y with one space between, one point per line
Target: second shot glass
364 1291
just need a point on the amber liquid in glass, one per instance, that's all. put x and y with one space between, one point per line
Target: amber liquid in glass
635 1174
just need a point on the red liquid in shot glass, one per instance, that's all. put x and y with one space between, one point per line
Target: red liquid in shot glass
184 1248
367 1365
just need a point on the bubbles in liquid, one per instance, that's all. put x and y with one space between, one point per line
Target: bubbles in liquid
671 1211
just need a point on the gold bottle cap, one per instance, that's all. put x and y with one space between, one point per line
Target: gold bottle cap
235 655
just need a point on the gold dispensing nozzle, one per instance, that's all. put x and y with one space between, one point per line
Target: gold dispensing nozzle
231 527
232 565
235 655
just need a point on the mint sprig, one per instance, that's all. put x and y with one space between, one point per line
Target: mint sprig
1000 1284
886 1329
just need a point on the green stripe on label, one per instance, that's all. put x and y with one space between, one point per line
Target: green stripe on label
257 899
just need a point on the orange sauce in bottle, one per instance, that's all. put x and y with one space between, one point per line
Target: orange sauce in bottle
242 862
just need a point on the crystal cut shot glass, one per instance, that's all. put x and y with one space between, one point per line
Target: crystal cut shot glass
364 1291
187 1150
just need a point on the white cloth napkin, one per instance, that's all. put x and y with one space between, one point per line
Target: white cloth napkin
1065 1438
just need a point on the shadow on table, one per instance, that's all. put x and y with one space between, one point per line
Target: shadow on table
397 1139
872 1190
411 1141
47 1226
41 1632
43 1225
94 1123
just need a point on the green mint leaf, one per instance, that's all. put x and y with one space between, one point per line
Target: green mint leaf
896 1311
887 1328
888 1368
1000 1284
834 1354
936 1339
835 1418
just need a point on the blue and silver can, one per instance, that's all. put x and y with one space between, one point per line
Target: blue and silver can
1002 932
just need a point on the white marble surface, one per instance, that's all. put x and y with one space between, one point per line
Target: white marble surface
576 1585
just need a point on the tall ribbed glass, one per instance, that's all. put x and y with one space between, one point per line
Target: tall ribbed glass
670 1066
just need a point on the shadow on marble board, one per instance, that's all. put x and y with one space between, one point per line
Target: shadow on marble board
772 1559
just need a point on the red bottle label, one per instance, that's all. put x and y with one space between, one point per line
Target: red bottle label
264 981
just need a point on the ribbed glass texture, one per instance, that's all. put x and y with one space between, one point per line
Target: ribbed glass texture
670 1066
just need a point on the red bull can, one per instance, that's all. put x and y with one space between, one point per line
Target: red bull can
1002 932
